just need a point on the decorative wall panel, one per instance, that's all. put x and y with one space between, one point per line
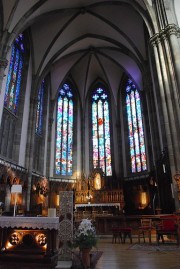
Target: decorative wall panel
65 234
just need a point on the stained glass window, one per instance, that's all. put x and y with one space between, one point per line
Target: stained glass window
135 128
14 77
39 111
101 131
64 133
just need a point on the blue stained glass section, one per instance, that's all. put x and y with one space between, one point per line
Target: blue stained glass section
9 76
18 86
14 77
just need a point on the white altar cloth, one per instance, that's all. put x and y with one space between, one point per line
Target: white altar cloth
93 205
29 222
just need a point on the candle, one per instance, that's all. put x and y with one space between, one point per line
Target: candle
52 212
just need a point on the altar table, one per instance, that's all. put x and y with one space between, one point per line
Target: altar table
26 238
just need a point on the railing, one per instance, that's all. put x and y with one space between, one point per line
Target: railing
99 196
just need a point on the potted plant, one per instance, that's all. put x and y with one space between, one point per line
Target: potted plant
85 239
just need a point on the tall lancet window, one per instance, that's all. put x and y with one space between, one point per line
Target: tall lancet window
64 131
101 131
14 77
39 111
135 128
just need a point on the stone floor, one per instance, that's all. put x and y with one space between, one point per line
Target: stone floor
117 256
122 256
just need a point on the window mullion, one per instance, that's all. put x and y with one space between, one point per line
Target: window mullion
15 84
137 121
98 134
11 82
133 132
104 138
61 135
67 140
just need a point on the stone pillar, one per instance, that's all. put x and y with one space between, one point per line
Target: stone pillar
153 42
151 134
50 124
3 65
166 92
174 89
30 146
173 32
169 117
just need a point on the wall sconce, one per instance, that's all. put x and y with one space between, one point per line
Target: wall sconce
144 198
57 200
16 189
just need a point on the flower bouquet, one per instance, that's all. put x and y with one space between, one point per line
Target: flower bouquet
85 239
85 235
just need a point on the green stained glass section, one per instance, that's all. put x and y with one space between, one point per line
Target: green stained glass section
64 131
101 131
135 127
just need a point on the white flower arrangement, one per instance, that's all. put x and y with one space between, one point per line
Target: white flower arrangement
85 236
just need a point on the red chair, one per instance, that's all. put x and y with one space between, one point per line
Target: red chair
116 235
126 232
121 233
168 227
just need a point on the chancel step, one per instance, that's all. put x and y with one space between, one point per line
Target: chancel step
64 265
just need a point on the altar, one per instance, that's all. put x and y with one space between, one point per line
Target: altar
92 205
29 239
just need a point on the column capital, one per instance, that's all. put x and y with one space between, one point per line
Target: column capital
154 40
172 29
3 63
163 35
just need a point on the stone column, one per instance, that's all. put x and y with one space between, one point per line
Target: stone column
153 42
153 135
174 90
165 88
172 32
50 124
3 65
30 146
170 123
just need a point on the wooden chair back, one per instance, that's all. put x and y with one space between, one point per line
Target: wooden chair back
146 223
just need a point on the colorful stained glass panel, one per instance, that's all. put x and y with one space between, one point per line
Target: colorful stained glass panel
64 132
101 131
135 127
14 77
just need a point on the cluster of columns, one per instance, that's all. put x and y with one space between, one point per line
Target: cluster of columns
166 49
